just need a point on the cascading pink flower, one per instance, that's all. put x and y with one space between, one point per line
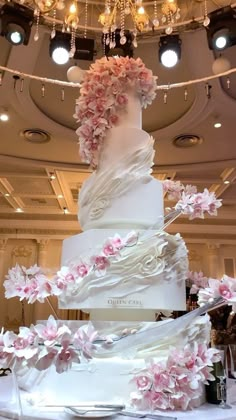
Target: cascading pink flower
103 93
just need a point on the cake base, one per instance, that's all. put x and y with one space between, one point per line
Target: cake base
109 376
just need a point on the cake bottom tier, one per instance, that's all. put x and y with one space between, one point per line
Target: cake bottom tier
111 374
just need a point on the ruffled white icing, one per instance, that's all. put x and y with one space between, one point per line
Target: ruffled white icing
156 258
103 186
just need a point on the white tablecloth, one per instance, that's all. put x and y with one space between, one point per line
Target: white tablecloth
205 412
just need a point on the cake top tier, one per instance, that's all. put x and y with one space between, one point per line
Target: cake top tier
104 97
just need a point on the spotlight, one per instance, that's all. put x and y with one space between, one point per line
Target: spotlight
122 50
221 32
15 23
169 50
60 45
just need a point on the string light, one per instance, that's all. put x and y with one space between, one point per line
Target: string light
206 19
86 19
37 15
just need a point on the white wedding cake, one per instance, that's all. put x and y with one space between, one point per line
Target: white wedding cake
122 265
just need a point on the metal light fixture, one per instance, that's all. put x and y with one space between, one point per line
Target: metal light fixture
15 23
221 32
60 48
169 50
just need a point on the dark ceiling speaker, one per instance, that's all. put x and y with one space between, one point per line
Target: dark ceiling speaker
187 140
221 31
15 23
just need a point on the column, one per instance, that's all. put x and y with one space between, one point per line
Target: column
213 260
42 252
42 310
3 243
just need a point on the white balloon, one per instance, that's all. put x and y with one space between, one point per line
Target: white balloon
220 65
75 74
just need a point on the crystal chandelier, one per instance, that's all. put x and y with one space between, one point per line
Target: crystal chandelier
125 16
117 13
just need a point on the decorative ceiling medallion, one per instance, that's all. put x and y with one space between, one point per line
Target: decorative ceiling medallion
187 140
35 135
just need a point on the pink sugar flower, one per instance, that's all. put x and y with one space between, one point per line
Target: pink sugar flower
82 269
64 359
101 263
225 291
143 382
51 332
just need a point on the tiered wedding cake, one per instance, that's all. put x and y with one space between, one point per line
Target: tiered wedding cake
122 260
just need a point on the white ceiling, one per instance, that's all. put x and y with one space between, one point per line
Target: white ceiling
26 167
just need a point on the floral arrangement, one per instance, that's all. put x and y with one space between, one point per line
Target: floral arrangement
32 284
177 383
224 288
103 94
197 281
190 202
209 289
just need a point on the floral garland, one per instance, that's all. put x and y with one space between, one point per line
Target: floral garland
53 343
103 94
177 383
32 284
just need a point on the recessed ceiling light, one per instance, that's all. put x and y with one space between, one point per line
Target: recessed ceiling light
226 182
60 196
52 177
217 125
19 210
4 117
7 195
